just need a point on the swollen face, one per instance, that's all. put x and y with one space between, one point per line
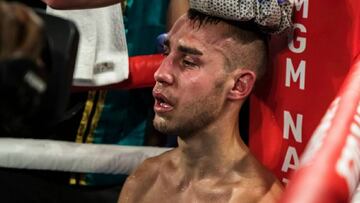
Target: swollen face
189 92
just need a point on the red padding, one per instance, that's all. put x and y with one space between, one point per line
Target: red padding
330 167
141 73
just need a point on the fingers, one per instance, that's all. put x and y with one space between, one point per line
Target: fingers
7 32
32 42
21 32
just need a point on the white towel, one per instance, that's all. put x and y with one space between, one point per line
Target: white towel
102 57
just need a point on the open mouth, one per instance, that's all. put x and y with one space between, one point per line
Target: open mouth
162 104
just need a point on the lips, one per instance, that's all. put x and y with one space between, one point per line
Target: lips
162 103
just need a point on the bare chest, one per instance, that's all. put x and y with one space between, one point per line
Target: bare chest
160 193
181 193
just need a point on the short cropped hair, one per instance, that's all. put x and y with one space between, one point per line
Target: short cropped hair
253 52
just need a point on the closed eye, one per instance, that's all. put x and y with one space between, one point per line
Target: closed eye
187 63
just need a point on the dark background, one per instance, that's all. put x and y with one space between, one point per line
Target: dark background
31 3
36 186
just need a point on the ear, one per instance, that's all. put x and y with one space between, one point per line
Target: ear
244 81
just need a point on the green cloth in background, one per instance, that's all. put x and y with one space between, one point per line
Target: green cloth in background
144 20
126 112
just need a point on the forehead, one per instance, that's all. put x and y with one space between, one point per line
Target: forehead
208 37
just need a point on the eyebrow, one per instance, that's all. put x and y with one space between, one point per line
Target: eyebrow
189 50
185 49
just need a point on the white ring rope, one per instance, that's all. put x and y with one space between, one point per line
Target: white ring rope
73 157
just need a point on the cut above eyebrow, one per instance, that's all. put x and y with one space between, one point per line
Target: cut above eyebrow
185 49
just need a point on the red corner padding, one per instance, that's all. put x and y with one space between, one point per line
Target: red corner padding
142 69
308 67
330 166
141 73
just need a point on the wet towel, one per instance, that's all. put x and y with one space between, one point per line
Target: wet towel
102 57
272 16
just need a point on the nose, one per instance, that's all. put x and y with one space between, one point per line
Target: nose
164 74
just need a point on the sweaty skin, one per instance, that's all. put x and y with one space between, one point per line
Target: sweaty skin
196 99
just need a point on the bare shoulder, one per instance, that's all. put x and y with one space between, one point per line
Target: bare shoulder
258 184
265 192
141 180
274 194
272 189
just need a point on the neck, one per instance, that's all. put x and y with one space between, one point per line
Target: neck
212 152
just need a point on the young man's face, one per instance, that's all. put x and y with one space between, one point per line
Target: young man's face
190 89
